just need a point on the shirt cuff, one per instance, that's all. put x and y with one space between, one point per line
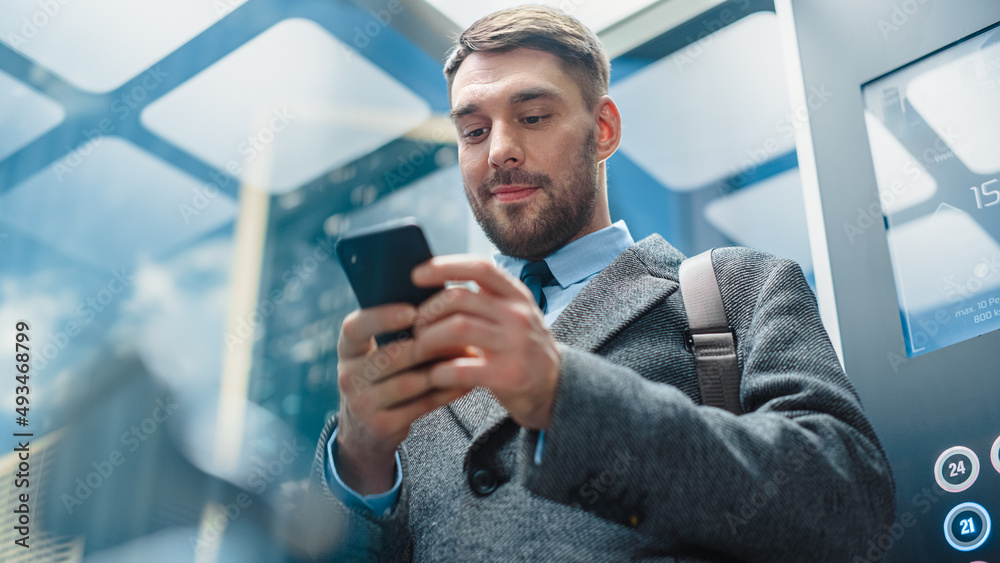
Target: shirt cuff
539 446
379 504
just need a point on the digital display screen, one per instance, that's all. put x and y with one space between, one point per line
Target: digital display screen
934 131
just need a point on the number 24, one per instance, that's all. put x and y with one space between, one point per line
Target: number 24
956 469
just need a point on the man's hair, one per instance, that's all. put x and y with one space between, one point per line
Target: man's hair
544 29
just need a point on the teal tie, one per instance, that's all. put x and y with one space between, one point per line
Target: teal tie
537 275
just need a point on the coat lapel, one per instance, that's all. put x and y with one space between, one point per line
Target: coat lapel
640 278
472 408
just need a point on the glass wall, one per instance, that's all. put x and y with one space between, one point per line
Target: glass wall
174 174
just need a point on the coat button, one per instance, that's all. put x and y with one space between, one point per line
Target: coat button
483 481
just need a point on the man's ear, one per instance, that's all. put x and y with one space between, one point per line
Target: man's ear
609 127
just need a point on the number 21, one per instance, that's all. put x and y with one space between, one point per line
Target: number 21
968 526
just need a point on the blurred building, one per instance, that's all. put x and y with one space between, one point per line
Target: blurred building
44 546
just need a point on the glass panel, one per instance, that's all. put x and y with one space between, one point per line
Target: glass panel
27 115
185 321
932 130
82 203
595 15
715 109
769 214
98 45
285 107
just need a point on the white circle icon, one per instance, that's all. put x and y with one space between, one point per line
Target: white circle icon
956 469
967 526
995 454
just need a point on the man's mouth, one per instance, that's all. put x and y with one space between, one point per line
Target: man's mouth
510 193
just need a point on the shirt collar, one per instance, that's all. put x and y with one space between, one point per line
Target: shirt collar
579 259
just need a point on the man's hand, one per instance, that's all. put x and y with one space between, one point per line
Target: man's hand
382 391
519 360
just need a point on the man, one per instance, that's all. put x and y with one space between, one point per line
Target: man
492 436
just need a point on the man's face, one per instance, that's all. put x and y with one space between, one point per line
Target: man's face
527 149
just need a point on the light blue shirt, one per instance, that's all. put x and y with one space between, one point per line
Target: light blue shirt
572 266
380 503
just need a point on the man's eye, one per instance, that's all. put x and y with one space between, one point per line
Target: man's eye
534 119
476 132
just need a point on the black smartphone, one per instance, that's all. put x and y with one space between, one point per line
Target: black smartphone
378 261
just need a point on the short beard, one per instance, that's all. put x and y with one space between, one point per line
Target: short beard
568 211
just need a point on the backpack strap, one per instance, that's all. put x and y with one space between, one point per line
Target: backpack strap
710 336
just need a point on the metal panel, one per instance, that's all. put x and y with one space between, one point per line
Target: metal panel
922 405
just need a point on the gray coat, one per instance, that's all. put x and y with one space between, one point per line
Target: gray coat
634 468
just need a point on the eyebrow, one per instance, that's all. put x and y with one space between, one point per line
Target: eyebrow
463 110
533 94
515 98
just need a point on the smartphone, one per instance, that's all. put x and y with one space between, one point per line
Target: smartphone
378 261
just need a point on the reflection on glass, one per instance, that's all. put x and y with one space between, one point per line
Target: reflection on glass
932 129
27 114
81 204
595 15
907 181
99 45
720 109
289 105
769 214
960 101
118 244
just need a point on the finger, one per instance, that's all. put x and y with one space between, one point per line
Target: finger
408 412
360 326
399 356
454 300
457 332
460 372
402 388
463 267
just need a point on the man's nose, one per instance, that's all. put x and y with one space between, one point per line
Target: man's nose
505 147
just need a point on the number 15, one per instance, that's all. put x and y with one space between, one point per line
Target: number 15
986 193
